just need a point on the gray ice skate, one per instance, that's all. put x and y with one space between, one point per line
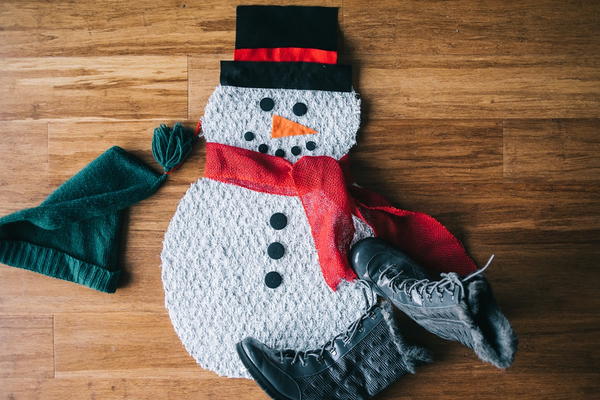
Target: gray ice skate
453 308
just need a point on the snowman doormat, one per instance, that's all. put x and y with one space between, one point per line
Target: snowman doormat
258 246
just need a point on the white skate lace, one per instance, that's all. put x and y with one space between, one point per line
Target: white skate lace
346 336
426 288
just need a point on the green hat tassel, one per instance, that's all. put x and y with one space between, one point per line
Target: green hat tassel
170 147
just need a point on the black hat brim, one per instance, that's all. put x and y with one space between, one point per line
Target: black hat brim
287 75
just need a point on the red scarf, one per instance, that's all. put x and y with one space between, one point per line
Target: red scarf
329 204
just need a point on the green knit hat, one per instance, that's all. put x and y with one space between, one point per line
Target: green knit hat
75 234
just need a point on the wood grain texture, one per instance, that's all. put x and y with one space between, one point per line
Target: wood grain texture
26 346
24 152
120 345
457 86
483 114
131 388
125 87
552 150
203 77
445 151
491 28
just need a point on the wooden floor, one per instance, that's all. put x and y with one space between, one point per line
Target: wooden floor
483 114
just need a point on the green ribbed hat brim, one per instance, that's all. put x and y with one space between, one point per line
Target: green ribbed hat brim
57 264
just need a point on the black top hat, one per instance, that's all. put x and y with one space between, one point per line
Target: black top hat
289 47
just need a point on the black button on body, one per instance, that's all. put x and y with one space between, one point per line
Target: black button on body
279 153
278 221
273 279
311 145
275 250
263 148
296 150
267 104
249 136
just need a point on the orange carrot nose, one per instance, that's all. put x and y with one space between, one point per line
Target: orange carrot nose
283 127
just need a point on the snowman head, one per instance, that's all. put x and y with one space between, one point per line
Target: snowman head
284 94
289 123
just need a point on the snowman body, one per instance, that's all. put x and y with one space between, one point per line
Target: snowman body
223 281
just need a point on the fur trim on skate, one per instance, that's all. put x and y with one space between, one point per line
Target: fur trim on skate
494 340
413 356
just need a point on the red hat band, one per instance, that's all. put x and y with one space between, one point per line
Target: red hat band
286 54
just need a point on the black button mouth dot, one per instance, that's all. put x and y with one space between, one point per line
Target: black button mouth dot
263 148
311 146
249 136
296 150
279 152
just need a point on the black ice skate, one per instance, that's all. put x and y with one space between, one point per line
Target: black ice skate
357 364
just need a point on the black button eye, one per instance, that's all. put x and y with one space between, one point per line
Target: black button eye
299 109
267 104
